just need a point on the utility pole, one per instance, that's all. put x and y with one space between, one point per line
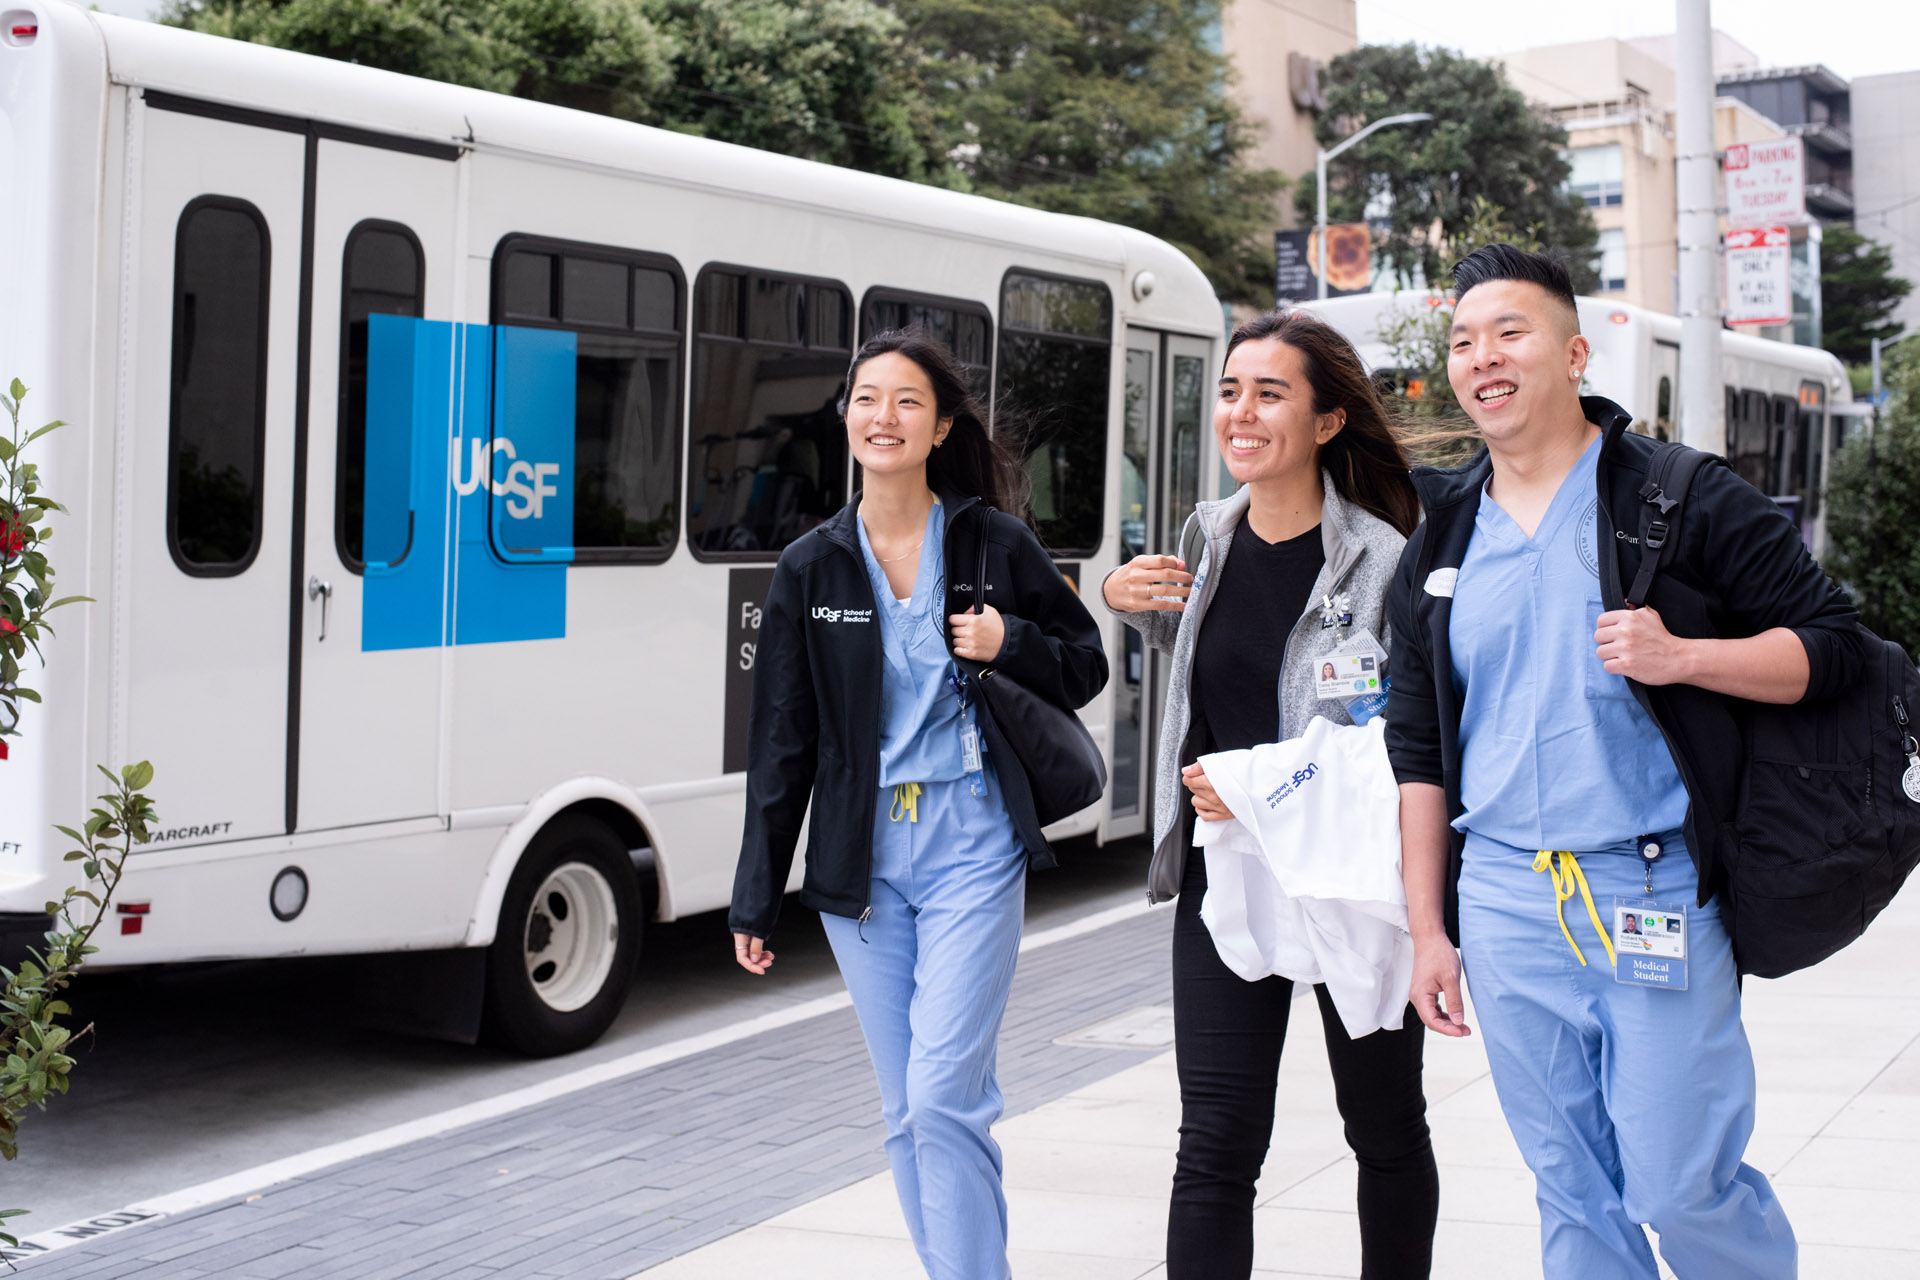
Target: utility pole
1703 422
1320 184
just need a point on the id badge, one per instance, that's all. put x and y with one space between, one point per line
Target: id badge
1650 943
1353 670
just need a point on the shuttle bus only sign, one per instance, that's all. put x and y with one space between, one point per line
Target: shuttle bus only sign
1766 183
1758 280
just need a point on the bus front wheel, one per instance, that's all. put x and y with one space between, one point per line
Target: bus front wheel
563 956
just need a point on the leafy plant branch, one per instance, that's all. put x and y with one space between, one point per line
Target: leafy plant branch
26 578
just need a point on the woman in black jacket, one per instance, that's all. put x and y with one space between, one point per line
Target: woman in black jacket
916 855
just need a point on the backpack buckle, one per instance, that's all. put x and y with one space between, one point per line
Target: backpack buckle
1656 535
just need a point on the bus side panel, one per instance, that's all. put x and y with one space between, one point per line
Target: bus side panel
53 95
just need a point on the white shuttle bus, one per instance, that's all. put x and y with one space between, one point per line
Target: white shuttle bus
1787 407
431 453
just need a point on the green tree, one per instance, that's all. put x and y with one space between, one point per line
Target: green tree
828 80
1114 109
1486 141
1873 506
1858 292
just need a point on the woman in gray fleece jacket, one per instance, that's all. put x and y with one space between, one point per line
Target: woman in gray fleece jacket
1269 587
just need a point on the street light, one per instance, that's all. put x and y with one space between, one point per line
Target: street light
1320 181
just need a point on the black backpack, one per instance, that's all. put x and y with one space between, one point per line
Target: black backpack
1827 825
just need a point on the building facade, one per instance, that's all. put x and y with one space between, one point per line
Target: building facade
1278 58
1886 174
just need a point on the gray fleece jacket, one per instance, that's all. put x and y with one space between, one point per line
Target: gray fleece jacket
1362 553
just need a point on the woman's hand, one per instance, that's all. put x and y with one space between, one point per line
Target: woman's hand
1206 801
1157 583
1436 976
978 635
752 953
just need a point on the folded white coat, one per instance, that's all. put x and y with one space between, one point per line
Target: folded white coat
1304 880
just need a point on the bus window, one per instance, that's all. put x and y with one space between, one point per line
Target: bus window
219 411
1055 355
1748 438
383 272
1788 464
964 328
1663 410
624 310
769 453
1812 432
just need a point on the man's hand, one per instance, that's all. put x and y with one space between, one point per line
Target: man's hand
1157 583
1436 974
1635 643
1206 801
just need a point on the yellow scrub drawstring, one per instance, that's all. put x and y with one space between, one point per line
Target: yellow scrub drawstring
906 801
1567 877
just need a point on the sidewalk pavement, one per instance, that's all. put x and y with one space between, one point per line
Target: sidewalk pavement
1838 1053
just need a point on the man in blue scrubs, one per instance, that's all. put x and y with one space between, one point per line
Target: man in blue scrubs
1541 802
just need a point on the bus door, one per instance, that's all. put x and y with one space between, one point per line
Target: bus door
1164 417
367 747
1666 388
204 472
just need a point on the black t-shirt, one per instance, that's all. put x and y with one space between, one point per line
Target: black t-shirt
1234 688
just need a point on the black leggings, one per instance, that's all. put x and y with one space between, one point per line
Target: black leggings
1227 1038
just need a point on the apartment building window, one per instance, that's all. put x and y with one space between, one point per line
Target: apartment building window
1596 176
1610 260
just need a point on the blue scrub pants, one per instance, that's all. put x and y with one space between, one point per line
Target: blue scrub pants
1630 1104
929 973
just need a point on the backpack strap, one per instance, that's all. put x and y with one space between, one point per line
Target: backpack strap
1669 478
1192 542
980 569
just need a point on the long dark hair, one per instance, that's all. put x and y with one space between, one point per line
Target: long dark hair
970 462
1365 460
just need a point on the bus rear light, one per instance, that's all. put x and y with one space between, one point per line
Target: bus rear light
19 27
1618 317
132 916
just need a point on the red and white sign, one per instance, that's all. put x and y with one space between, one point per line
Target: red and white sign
1759 284
1766 183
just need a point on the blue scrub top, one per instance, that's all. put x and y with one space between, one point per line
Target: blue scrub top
1555 752
920 722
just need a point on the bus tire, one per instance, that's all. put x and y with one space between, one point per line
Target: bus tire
563 956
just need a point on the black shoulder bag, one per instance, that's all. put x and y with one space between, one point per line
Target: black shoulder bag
1052 747
1827 824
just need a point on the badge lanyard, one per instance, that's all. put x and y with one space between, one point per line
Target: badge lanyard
1650 937
972 753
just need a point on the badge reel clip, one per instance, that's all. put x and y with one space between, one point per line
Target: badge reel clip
1649 937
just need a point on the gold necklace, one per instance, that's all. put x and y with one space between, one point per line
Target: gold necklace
897 559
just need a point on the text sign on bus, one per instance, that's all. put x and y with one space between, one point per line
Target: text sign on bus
1766 183
1759 283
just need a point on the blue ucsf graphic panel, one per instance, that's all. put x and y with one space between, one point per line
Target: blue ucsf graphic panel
469 447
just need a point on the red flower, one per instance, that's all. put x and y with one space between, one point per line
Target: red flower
13 533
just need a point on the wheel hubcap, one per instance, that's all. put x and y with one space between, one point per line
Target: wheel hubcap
572 932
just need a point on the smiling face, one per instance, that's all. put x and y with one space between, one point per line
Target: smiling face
1264 418
1515 356
893 421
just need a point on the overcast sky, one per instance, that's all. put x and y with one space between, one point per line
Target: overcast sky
1854 37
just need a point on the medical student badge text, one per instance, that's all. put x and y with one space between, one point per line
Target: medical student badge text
1650 943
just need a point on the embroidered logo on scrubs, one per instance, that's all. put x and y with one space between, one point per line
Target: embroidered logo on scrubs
821 613
1586 536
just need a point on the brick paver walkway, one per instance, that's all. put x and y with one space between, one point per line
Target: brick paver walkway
617 1177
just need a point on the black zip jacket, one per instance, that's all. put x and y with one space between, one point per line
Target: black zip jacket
1739 568
815 720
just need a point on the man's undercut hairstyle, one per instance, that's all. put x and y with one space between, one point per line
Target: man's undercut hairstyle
1504 262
